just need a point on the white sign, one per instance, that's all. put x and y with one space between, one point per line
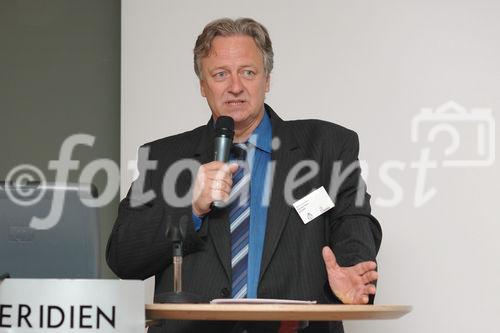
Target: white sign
50 305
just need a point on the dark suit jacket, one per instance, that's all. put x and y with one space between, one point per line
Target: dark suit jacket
292 265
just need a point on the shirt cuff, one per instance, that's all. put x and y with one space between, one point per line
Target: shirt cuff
197 220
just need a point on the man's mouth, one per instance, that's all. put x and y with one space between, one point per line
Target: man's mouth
235 102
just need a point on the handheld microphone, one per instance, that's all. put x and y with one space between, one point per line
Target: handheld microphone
224 133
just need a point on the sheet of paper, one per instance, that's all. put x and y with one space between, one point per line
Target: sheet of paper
258 301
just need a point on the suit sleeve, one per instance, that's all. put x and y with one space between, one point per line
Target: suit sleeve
354 234
137 247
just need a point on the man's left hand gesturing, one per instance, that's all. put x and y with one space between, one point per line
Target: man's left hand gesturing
351 285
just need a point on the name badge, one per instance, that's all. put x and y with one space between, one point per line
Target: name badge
313 205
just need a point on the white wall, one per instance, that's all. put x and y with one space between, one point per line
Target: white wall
370 66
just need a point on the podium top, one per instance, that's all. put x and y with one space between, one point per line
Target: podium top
264 312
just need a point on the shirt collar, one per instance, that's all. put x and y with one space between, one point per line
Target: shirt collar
262 135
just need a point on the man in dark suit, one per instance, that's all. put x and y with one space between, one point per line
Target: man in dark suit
258 246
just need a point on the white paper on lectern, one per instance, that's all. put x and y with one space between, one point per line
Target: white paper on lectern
258 301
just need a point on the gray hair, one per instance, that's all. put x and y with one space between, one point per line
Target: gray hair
226 27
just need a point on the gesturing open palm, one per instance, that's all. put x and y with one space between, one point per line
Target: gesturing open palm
351 285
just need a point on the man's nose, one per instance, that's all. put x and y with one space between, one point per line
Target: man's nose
235 86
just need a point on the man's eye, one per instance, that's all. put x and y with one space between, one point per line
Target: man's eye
248 73
219 75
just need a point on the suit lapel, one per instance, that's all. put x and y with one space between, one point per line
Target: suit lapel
205 148
286 156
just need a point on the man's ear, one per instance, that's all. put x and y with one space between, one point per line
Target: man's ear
268 83
202 88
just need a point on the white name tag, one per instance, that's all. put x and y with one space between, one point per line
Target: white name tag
313 205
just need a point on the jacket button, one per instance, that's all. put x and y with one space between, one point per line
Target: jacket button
224 292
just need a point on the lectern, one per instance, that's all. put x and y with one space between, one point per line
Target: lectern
273 312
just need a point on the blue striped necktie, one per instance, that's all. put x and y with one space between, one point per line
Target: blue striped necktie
239 221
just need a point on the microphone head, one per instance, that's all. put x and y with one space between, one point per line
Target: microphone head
176 230
183 225
224 133
224 123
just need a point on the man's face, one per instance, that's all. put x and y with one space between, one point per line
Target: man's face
234 81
